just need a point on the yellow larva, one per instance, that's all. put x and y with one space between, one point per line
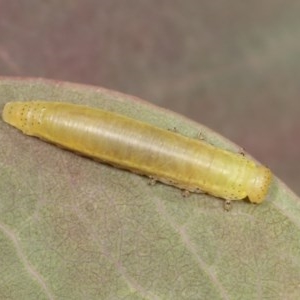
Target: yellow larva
169 157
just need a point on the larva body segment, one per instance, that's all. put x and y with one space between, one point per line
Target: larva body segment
130 144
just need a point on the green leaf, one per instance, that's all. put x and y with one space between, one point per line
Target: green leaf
72 228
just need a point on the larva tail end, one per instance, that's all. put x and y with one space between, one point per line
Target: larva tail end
259 186
16 114
6 113
10 113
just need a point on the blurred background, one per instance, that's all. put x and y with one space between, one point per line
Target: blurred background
231 65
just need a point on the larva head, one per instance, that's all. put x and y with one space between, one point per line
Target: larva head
259 184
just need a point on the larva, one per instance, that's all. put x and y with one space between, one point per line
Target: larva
174 159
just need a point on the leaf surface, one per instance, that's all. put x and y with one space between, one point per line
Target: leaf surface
72 228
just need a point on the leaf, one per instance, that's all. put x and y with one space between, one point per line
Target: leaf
72 228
